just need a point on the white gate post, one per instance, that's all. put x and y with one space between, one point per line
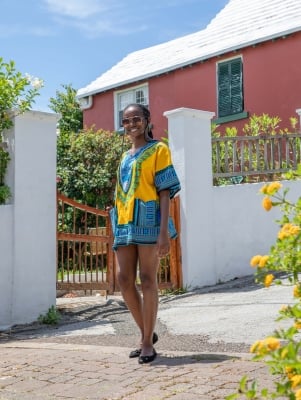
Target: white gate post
189 133
31 256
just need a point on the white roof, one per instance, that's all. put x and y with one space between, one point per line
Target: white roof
239 24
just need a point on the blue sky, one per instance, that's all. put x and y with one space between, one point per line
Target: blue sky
75 41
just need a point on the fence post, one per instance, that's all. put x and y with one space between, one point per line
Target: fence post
32 179
189 133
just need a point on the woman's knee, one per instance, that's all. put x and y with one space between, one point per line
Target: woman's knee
125 280
148 281
127 266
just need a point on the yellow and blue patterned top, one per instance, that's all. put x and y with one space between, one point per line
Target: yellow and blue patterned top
140 177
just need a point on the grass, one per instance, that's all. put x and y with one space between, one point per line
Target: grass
171 291
52 317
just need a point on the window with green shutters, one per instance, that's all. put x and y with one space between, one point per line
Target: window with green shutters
230 88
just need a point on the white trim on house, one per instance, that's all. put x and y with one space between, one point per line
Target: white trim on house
132 99
85 102
239 24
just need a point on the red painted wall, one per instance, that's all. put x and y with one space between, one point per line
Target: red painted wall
272 85
101 114
272 78
191 87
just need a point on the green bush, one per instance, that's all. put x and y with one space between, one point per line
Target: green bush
87 163
66 105
5 194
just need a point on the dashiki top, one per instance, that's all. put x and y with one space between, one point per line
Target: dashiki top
140 177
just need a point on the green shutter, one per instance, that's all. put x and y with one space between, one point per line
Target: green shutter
230 88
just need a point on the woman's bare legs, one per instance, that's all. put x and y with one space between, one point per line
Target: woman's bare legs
148 267
127 258
143 311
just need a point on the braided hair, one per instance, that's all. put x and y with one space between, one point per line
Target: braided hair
146 114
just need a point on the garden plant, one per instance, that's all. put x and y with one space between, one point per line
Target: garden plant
17 94
281 350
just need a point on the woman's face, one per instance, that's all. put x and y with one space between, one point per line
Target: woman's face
134 122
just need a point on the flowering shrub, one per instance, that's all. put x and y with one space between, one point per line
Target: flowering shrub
17 93
281 351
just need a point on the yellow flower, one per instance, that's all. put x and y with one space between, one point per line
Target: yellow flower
273 188
289 372
291 229
263 189
295 229
255 260
297 324
297 291
265 345
256 347
271 343
263 261
288 230
284 353
295 380
268 280
298 394
267 203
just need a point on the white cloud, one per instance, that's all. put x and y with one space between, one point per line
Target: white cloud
110 27
8 30
80 9
16 30
95 17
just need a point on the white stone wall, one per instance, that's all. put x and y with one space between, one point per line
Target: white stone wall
221 227
6 262
28 224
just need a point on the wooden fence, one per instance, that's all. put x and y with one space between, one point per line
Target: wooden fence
254 158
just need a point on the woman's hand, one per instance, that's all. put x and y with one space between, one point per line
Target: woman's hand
163 245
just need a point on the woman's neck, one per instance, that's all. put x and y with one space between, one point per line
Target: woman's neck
137 144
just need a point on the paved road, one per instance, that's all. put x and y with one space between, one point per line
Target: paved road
204 339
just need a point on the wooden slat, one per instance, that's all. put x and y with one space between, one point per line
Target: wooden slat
69 286
82 238
80 206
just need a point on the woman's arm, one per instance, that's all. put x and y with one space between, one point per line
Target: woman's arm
163 239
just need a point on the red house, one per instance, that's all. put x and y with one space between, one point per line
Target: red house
246 61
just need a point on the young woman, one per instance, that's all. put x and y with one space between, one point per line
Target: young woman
146 181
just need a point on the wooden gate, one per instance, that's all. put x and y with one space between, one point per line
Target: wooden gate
85 259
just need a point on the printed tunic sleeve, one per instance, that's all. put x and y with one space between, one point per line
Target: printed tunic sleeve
165 175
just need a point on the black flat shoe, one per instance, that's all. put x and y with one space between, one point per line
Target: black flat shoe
137 352
147 359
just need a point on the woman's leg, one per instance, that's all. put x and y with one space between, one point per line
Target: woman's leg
127 258
148 267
